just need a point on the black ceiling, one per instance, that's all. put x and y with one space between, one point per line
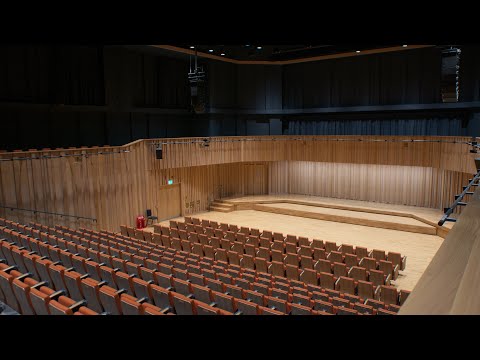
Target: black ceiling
280 52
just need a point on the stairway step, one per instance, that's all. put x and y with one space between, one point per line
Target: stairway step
220 209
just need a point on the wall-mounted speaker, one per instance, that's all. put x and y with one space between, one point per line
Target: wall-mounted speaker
158 152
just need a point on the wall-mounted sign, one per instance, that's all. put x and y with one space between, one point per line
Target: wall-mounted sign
170 182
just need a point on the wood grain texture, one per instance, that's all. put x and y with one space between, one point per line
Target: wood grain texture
115 188
404 185
449 285
348 217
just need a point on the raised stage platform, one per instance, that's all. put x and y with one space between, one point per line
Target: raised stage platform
379 215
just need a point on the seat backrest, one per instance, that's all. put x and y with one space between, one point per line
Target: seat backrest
389 294
224 302
255 297
346 311
365 289
309 276
351 260
183 305
204 309
330 246
292 272
378 254
297 309
327 280
345 284
277 303
377 277
323 266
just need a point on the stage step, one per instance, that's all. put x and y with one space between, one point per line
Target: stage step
221 206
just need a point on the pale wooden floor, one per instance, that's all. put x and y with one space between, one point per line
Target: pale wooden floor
419 248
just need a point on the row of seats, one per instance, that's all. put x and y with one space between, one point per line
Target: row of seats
246 281
343 284
173 297
213 228
302 293
29 297
305 268
178 280
359 284
100 297
279 245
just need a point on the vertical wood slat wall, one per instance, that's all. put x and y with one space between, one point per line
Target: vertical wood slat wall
115 188
404 185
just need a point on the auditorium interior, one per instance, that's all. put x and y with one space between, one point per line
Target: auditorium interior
246 179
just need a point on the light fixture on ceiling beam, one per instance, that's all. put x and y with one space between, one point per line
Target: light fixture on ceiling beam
404 45
358 51
210 50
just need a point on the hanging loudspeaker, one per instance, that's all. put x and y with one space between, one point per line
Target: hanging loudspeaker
158 152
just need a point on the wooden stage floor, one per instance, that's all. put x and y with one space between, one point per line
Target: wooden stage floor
419 248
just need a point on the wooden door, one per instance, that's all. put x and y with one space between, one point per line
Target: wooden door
169 202
255 179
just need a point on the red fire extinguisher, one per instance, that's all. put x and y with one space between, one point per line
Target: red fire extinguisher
140 222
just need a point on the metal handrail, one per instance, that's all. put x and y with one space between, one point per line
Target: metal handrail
82 154
48 213
458 200
208 140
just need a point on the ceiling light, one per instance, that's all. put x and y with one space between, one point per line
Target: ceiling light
222 54
192 47
357 51
211 50
247 45
259 47
404 45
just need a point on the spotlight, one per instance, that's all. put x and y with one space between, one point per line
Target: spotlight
357 51
211 50
192 47
222 54
259 47
404 45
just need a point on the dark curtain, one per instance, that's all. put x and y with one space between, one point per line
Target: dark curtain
52 75
402 77
469 76
165 82
414 127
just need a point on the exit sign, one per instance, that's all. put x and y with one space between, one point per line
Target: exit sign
170 182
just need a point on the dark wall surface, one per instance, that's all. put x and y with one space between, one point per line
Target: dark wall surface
61 96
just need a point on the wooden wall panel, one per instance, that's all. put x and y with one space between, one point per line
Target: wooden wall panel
115 188
441 153
405 185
